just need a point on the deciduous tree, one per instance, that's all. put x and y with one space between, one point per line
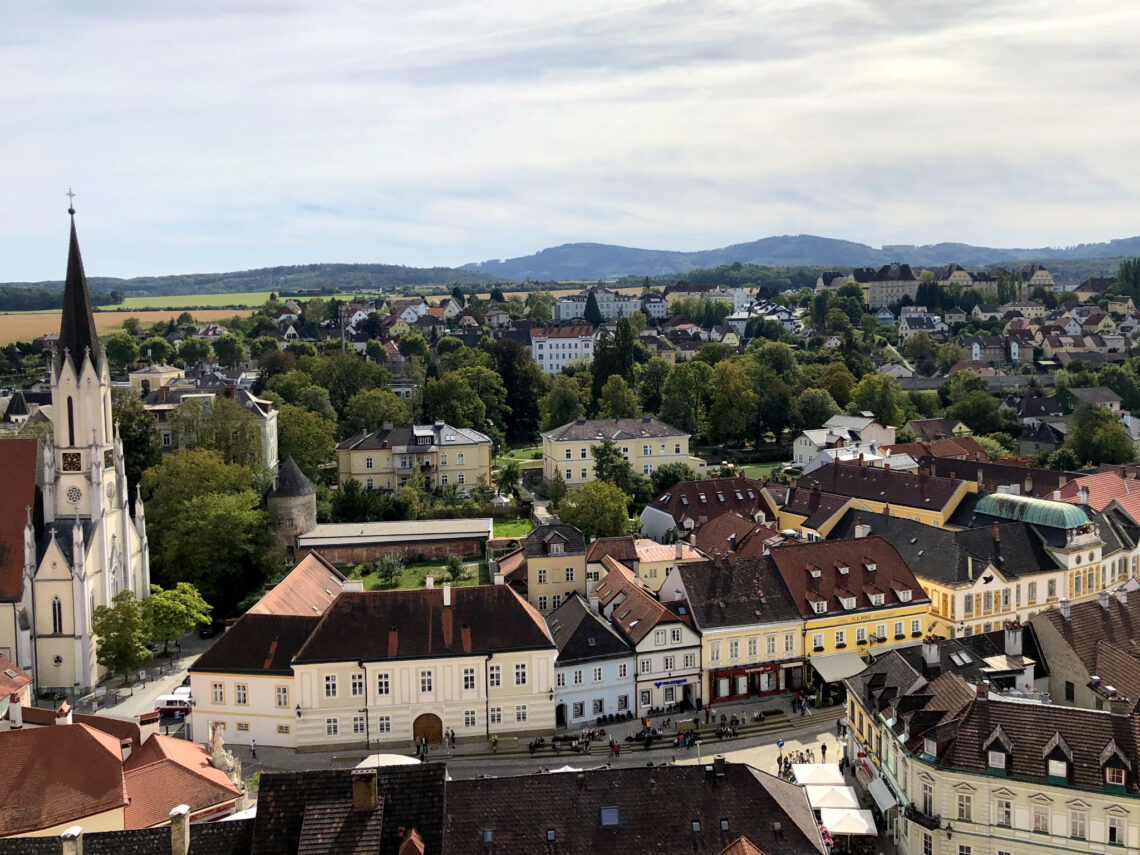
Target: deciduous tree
307 437
174 612
121 634
597 509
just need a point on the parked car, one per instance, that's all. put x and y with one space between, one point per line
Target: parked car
209 630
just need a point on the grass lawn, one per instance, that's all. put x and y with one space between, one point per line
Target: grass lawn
413 577
759 470
512 527
523 456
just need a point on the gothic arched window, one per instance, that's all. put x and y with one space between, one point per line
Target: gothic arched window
57 613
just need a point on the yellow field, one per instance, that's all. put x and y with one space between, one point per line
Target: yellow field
29 325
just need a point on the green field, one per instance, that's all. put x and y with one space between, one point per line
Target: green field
512 527
413 577
525 456
759 471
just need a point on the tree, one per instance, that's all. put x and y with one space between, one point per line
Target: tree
222 425
389 568
946 356
541 307
345 374
488 386
1097 437
497 295
837 322
508 478
880 395
192 352
307 437
919 347
681 404
138 430
122 349
413 344
819 307
371 409
960 385
450 399
525 384
157 348
815 406
592 314
556 488
733 402
653 376
714 352
290 385
121 634
564 403
839 382
315 399
979 410
261 346
610 465
229 350
597 509
173 613
617 400
666 476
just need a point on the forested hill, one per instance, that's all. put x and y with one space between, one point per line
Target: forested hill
306 277
602 261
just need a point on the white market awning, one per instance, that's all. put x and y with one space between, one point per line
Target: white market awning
566 768
859 823
838 666
832 797
813 774
881 793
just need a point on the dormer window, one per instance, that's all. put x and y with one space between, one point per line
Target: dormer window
848 602
1058 769
843 571
815 574
930 747
904 596
1114 777
871 567
557 548
876 599
996 760
819 607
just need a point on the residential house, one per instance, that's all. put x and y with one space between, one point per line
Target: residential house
553 348
885 317
655 306
986 312
1098 395
924 498
555 565
831 280
928 430
751 631
808 513
662 635
688 505
1094 287
1121 305
912 325
990 349
645 443
409 311
384 459
496 318
956 274
595 667
956 315
838 431
731 534
889 284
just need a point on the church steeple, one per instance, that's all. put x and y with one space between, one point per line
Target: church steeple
77 334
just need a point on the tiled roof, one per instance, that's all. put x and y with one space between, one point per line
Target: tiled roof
882 485
1095 395
1029 480
443 437
733 534
639 612
582 635
798 564
291 481
571 331
701 501
630 810
208 838
291 804
12 677
928 429
57 775
18 458
385 625
120 728
258 644
1103 487
595 430
166 772
537 542
1090 624
307 590
622 548
737 592
652 551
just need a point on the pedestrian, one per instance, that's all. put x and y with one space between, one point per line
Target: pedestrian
253 748
823 751
453 737
838 728
495 742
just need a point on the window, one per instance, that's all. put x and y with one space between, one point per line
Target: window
520 712
282 696
734 650
367 462
1114 777
383 687
425 681
358 724
569 574
543 603
283 728
916 627
56 616
495 676
714 651
569 474
927 799
670 694
167 441
585 473
690 660
819 607
332 726
599 706
860 635
578 709
646 698
459 461
468 679
646 450
968 605
241 694
556 600
927 844
1032 593
1078 824
243 727
670 662
542 577
840 638
469 718
1116 831
597 675
330 685
623 671
659 638
1003 812
1051 589
646 666
496 715
675 635
578 677
676 448
997 760
1041 819
218 693
520 674
384 724
1058 769
789 643
623 703
817 641
964 850
1070 691
443 459
357 684
560 680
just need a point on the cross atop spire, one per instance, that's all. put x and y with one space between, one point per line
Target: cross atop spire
70 201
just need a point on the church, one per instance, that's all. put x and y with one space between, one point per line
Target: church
68 542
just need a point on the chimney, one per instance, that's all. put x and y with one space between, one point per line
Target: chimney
645 417
930 656
1062 480
72 840
886 466
500 579
1103 598
148 724
447 595
981 476
15 713
861 528
180 830
429 582
364 790
1065 608
680 551
719 766
1083 495
63 714
692 540
1122 596
1013 632
997 533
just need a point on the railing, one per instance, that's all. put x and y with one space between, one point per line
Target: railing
912 813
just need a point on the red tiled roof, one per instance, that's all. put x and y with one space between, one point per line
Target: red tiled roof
622 548
747 536
10 685
307 590
58 775
165 772
119 728
513 566
18 463
1103 488
639 612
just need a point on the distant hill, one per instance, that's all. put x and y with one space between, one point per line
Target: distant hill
587 261
306 277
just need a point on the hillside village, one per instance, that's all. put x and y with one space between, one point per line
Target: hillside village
905 502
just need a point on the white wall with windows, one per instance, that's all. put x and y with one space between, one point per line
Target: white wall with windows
591 688
668 667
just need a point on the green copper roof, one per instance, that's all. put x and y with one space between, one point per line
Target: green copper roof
1031 510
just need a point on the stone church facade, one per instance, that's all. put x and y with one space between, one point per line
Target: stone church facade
80 545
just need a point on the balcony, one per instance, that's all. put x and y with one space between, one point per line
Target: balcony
912 813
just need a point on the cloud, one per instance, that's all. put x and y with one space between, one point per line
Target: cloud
229 135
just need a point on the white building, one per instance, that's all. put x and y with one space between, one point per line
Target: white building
595 667
553 348
840 430
611 304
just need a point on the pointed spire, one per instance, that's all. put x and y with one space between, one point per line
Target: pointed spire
77 334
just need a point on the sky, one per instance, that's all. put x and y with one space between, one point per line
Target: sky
215 135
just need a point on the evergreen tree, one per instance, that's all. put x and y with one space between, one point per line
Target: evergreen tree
592 313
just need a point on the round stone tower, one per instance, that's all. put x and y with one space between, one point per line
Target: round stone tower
292 505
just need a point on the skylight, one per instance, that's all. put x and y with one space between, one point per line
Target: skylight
609 817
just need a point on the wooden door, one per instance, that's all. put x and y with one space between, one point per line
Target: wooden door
428 725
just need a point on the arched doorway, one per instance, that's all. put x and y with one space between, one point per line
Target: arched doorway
560 715
430 726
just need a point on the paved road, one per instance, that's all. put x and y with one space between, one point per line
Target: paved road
140 698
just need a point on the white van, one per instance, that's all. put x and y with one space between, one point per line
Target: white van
170 704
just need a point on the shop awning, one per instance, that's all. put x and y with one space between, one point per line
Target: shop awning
817 773
832 797
838 666
881 793
848 821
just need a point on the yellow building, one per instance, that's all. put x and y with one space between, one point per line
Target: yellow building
854 596
555 565
923 498
646 443
386 458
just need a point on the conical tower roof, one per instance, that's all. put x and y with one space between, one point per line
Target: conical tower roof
291 481
77 334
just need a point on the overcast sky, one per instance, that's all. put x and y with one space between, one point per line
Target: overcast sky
229 135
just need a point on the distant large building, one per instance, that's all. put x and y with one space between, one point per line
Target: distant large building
646 443
553 348
443 455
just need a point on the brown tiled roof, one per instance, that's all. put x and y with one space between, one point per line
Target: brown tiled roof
513 566
742 846
233 837
653 810
258 644
1091 623
639 612
720 495
1031 481
595 430
359 626
622 548
10 684
307 590
57 775
570 331
120 728
737 592
1103 487
18 459
537 541
797 561
166 772
882 485
732 534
